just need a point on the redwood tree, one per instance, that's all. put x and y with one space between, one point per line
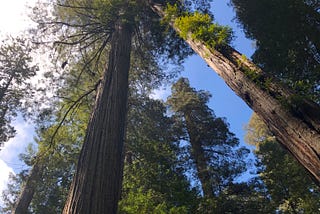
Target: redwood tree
97 183
286 38
286 181
288 115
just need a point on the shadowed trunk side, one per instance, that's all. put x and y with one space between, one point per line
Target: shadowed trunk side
297 129
97 183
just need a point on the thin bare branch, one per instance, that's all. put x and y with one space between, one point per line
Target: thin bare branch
75 103
98 53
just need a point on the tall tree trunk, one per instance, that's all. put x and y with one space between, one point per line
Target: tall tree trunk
199 157
96 185
28 190
296 127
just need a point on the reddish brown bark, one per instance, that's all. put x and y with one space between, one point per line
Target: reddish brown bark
97 183
298 130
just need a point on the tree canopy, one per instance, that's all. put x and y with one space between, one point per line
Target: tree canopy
289 185
129 153
287 40
16 69
214 150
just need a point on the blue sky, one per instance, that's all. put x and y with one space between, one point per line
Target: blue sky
224 102
13 20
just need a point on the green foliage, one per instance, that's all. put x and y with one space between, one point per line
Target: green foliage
287 40
142 202
86 26
100 12
153 181
260 79
213 148
295 103
253 75
243 198
9 195
184 98
156 166
148 202
264 81
58 143
171 13
199 26
57 162
16 91
62 126
257 132
289 185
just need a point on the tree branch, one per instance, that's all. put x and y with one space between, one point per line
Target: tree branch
76 102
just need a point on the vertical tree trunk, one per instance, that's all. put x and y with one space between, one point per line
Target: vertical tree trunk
28 190
199 157
97 183
298 129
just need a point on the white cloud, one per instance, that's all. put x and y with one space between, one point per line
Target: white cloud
9 160
25 131
5 170
14 17
160 94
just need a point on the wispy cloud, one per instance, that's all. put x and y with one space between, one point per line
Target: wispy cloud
13 20
14 17
9 154
161 94
25 131
5 170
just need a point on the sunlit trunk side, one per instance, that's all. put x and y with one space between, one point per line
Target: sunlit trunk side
96 185
28 190
298 130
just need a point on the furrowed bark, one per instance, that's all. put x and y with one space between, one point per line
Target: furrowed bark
97 183
297 129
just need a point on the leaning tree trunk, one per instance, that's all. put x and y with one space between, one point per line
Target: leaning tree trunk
28 190
96 185
295 124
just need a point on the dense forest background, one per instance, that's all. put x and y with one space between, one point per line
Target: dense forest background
166 156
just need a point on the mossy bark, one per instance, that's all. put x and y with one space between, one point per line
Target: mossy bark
298 130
